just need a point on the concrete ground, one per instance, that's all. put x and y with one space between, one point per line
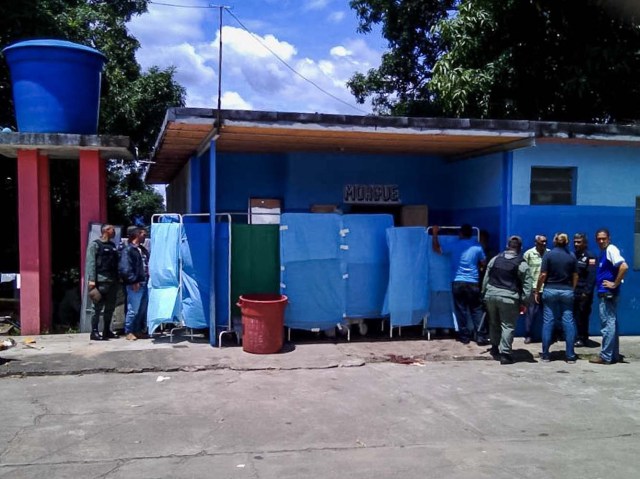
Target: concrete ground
367 409
75 354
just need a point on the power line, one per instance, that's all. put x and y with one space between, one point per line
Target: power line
179 6
255 37
264 45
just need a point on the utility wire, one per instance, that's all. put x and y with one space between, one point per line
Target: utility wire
256 38
179 6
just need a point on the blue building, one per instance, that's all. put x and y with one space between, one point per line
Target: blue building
506 177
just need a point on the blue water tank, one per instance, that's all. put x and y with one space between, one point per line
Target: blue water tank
56 86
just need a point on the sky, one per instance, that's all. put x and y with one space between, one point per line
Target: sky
316 38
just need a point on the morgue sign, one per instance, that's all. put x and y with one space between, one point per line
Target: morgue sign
371 194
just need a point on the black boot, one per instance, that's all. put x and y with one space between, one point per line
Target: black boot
495 353
108 334
506 359
95 336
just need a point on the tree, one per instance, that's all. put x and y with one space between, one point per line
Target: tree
400 86
130 200
565 60
133 103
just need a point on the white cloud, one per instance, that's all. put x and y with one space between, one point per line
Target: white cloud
336 17
232 100
163 25
340 51
243 43
252 77
315 4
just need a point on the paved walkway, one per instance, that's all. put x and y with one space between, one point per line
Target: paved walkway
67 354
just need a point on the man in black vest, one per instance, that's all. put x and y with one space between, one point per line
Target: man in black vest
101 271
505 287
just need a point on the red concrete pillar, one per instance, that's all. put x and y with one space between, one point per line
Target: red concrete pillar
34 236
44 186
93 200
103 190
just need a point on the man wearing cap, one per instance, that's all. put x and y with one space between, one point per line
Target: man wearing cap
583 297
533 257
611 271
467 259
506 285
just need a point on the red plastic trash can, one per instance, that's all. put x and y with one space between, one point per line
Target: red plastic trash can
262 322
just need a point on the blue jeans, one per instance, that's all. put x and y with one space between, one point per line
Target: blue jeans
558 304
136 309
609 323
532 319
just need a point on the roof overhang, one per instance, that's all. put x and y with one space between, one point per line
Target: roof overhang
189 131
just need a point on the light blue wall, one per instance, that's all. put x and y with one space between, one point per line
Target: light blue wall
608 181
476 182
477 195
607 176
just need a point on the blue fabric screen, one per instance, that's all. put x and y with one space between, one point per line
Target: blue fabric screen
312 273
367 264
441 310
222 274
407 299
164 272
196 274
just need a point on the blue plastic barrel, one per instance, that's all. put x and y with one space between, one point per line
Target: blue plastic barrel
56 86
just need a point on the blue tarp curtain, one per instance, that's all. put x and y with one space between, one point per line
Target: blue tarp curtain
312 273
222 274
333 267
407 299
164 271
180 275
196 274
441 307
367 264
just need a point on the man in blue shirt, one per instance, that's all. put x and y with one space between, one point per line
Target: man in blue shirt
611 270
467 259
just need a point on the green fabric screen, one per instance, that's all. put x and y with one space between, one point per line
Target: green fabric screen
255 261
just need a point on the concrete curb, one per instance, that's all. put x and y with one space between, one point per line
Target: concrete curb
56 355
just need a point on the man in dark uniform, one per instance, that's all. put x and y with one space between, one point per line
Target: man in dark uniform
505 287
583 297
101 271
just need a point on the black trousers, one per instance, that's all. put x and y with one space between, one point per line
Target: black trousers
109 292
581 312
468 308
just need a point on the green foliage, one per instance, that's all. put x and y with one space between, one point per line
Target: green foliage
400 86
130 200
563 60
133 103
